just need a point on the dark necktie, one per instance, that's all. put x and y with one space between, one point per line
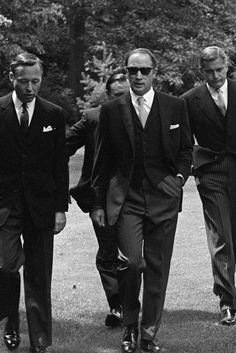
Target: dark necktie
24 119
143 114
220 102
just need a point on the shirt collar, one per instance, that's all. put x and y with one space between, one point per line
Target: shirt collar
18 103
223 88
148 97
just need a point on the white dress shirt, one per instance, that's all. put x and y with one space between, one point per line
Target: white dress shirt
148 100
18 107
223 89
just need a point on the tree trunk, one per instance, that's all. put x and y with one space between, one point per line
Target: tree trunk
77 48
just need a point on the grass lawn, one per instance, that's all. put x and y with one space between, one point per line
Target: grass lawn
190 316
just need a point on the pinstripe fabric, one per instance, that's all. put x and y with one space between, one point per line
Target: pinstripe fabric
217 188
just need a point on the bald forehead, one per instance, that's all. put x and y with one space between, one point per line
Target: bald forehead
140 59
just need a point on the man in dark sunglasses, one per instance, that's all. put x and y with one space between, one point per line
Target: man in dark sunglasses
142 160
80 135
116 85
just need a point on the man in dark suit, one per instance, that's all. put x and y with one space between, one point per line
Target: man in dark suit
143 157
212 108
33 200
83 134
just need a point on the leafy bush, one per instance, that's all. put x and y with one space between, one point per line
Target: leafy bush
97 71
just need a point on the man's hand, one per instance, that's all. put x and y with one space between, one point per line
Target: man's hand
60 222
98 217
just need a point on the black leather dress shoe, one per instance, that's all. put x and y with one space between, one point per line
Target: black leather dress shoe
149 346
114 319
227 317
129 341
11 335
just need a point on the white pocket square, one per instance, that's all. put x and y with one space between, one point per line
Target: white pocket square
48 128
174 126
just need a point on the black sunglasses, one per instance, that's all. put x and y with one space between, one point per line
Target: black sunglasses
118 78
121 78
132 70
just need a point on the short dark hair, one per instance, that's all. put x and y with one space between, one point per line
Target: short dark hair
141 51
25 59
113 78
212 53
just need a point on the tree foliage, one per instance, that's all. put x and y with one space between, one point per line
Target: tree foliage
97 71
69 37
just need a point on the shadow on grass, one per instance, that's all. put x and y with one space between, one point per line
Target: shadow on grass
195 331
181 316
183 331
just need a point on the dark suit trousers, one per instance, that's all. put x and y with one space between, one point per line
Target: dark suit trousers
11 259
36 256
216 184
107 261
146 229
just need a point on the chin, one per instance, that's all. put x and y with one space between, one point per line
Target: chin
218 84
139 92
27 99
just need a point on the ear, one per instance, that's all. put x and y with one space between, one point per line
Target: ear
11 76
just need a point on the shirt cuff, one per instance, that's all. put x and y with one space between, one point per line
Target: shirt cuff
179 175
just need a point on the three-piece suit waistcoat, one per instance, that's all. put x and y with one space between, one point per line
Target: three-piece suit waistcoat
149 155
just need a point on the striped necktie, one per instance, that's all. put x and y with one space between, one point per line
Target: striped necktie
220 102
143 114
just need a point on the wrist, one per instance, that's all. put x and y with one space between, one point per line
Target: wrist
181 178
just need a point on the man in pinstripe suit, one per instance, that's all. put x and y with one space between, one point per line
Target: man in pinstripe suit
212 110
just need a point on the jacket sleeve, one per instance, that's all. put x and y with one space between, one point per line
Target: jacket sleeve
76 136
60 170
102 161
184 157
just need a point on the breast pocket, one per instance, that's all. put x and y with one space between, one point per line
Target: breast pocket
174 135
48 139
49 133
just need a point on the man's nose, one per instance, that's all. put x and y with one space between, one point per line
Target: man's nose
139 75
29 86
215 74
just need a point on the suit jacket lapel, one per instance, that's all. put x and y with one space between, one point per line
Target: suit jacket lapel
230 114
231 99
126 115
206 104
37 123
39 120
11 120
165 112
